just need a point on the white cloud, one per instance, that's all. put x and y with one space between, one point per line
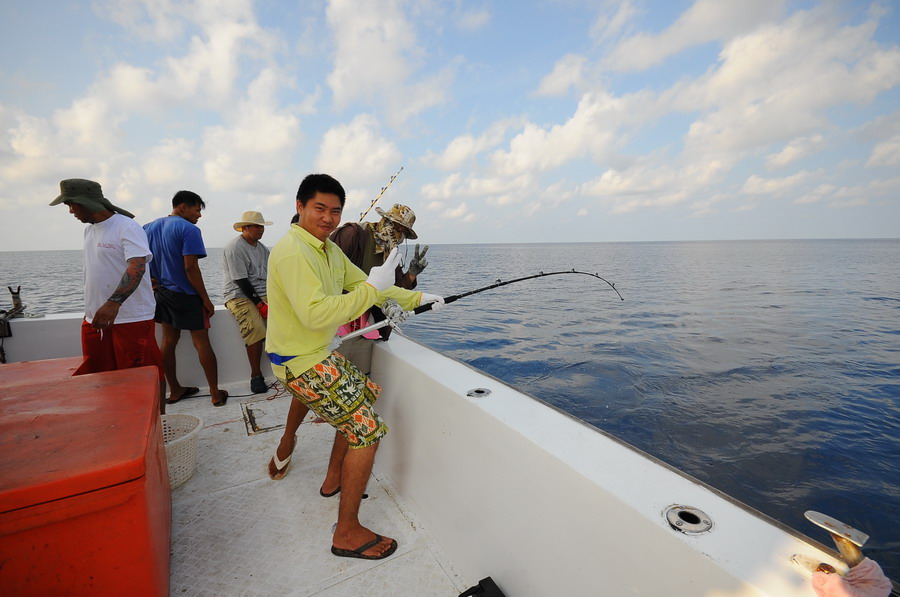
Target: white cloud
641 186
606 27
207 98
465 148
777 83
589 132
458 212
885 187
166 163
494 190
822 191
207 71
377 56
89 122
757 185
886 153
31 136
704 21
257 145
795 150
472 20
567 73
159 20
357 152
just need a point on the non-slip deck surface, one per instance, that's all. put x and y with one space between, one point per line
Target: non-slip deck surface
237 532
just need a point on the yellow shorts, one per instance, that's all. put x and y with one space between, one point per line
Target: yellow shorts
250 322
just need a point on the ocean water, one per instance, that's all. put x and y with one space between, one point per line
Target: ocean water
768 369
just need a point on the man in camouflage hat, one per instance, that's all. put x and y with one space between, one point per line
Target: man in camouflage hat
367 244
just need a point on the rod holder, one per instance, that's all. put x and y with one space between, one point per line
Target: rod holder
847 539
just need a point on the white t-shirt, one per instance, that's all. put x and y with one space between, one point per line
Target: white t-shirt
107 247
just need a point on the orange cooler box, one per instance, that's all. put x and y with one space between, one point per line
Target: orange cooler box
85 504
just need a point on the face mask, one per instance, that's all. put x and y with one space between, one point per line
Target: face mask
387 236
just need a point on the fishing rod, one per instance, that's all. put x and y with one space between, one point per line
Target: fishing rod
456 297
383 189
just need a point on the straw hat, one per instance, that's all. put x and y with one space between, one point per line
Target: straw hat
403 215
251 217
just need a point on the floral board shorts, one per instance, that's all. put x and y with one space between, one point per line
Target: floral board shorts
336 391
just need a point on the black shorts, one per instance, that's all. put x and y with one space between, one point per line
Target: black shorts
181 311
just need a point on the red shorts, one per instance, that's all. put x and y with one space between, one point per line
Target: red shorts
120 346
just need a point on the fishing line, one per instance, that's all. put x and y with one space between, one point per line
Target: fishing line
455 297
499 283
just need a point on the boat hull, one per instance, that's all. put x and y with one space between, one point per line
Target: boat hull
512 488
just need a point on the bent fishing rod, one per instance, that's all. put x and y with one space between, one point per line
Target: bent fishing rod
497 284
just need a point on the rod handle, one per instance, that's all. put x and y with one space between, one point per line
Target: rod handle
427 306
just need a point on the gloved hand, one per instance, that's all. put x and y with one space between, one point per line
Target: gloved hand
382 277
437 302
263 307
335 342
418 262
393 312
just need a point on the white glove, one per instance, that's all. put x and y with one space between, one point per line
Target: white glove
394 313
382 277
335 342
437 302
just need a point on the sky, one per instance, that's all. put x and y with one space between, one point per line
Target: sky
501 121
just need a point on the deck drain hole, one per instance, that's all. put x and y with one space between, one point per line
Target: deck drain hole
688 520
478 393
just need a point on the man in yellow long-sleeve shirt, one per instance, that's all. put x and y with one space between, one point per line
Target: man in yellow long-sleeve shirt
307 277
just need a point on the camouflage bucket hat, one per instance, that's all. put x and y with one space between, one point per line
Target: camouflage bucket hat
403 215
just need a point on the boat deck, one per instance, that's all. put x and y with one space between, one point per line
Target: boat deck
237 532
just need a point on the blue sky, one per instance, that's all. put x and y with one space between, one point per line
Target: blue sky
541 121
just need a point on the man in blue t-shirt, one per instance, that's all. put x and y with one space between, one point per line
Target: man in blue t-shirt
182 302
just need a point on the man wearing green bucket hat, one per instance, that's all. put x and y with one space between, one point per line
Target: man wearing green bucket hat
118 331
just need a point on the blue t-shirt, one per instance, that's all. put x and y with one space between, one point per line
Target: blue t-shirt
171 238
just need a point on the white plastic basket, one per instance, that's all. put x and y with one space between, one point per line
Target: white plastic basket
180 433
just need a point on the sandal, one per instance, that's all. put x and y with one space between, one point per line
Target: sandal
358 552
281 466
187 393
224 399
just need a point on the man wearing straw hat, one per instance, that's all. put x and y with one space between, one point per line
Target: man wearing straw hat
118 331
244 288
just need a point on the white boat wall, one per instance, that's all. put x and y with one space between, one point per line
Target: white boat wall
512 488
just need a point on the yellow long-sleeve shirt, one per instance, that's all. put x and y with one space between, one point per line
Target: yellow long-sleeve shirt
305 287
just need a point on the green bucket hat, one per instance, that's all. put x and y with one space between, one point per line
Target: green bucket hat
88 194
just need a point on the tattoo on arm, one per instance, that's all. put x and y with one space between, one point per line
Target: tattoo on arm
131 279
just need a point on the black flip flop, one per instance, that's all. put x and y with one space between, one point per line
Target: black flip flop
224 399
358 552
188 392
337 491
